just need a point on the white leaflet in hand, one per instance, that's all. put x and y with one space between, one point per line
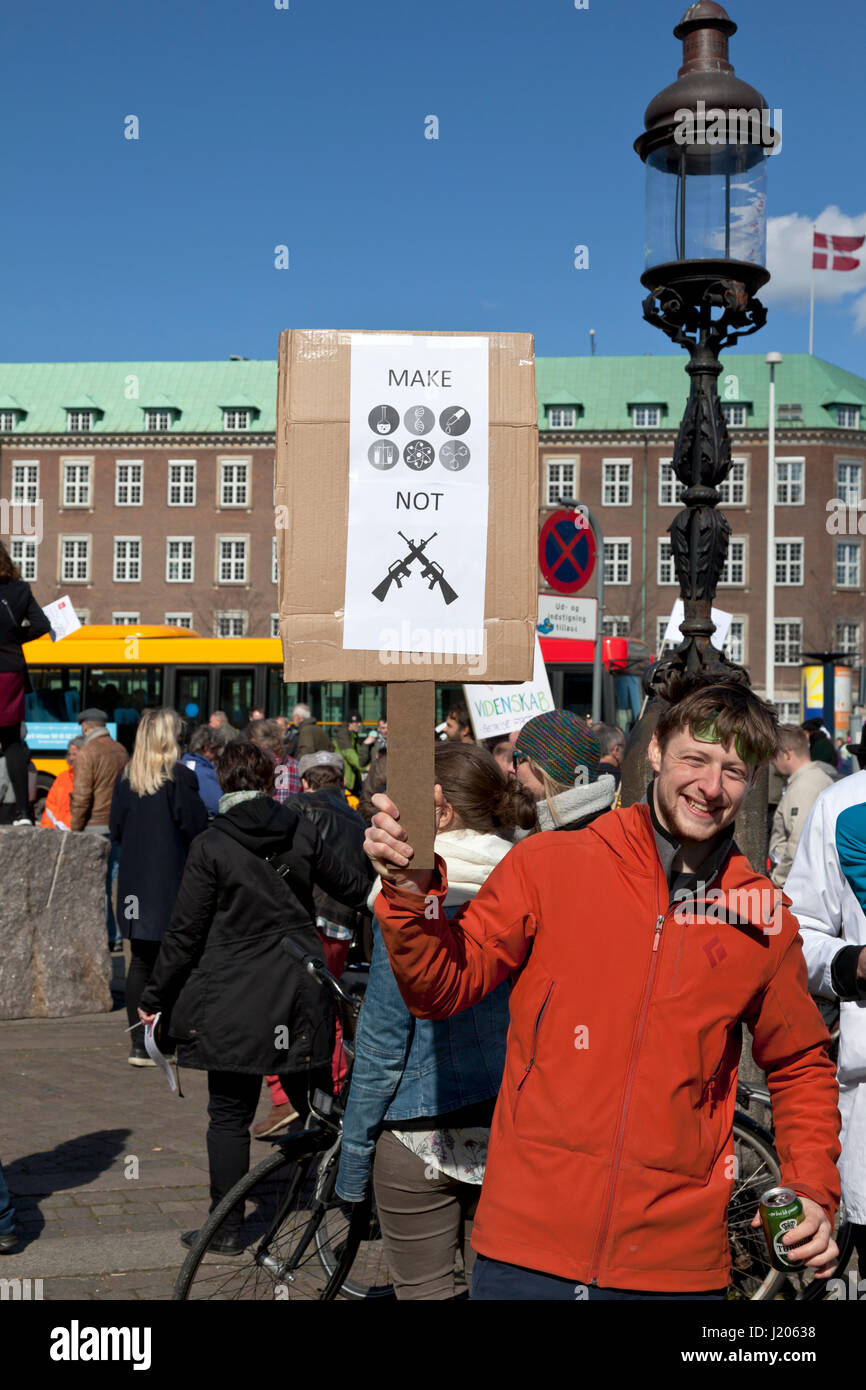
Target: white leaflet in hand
154 1053
62 617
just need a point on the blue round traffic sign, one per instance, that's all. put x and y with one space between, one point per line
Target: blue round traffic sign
567 551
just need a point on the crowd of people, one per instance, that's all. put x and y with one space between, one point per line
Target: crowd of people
546 1058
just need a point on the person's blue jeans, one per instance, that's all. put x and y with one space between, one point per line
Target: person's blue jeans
493 1280
7 1211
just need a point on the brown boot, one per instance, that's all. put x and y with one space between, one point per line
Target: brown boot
280 1118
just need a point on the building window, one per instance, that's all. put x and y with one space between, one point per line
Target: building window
25 553
615 626
735 416
159 420
128 483
178 620
7 420
25 482
234 483
646 417
230 624
847 638
180 559
789 641
788 711
665 572
789 414
848 481
232 567
127 559
561 417
735 642
617 561
74 559
275 569
616 483
124 619
661 629
790 482
275 624
848 417
670 487
181 483
236 419
76 482
79 421
734 568
847 564
561 480
789 562
732 491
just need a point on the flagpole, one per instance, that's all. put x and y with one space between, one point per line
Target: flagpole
812 297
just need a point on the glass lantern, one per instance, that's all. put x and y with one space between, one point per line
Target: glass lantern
706 202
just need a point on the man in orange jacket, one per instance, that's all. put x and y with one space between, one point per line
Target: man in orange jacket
640 946
58 813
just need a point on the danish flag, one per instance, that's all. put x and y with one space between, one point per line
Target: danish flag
839 246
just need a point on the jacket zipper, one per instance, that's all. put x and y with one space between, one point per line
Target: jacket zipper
531 1062
620 1138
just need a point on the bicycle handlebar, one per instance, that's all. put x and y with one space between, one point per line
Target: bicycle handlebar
315 966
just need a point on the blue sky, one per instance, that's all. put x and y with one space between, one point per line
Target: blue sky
304 127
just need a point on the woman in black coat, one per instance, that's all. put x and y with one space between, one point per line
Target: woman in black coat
21 619
156 813
240 1005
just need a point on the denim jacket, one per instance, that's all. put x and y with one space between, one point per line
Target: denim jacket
407 1067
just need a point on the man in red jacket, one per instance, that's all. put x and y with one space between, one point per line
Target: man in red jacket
639 946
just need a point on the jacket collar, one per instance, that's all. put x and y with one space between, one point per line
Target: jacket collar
101 732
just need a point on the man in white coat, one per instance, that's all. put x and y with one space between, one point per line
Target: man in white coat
827 888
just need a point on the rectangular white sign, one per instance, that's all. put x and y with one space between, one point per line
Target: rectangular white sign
62 616
559 616
417 540
499 709
721 619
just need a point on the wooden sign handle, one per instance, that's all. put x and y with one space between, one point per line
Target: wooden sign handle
411 777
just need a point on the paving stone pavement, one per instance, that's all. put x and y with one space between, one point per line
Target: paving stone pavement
106 1165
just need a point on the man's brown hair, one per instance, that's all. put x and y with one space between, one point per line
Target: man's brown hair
727 713
245 767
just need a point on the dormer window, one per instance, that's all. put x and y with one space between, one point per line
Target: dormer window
8 420
236 419
646 417
562 417
789 414
79 421
735 416
848 417
157 420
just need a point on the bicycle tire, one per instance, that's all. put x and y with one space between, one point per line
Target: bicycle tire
279 1260
757 1168
368 1277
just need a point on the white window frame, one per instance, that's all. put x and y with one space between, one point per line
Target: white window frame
129 484
7 420
275 625
25 480
179 560
788 710
735 414
76 540
737 554
238 615
236 418
856 551
850 491
123 618
848 417
562 417
616 625
233 486
789 623
178 620
786 485
665 563
74 465
153 417
668 484
79 421
231 559
25 554
850 646
613 561
640 417
616 490
661 629
742 622
789 562
734 489
183 484
125 555
554 490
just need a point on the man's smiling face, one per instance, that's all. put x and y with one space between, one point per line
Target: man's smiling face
699 787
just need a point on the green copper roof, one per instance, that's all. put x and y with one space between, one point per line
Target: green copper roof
607 387
122 391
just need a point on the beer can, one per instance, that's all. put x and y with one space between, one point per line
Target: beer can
781 1210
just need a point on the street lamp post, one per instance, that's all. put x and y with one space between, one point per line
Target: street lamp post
772 359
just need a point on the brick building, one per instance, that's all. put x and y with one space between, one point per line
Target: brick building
155 485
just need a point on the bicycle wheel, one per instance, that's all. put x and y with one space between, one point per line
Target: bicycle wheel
757 1168
278 1211
368 1276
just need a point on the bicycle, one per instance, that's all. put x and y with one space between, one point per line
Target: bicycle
298 1241
757 1169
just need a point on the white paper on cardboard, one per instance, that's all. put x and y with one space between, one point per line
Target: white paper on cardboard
62 617
499 709
418 493
722 620
575 618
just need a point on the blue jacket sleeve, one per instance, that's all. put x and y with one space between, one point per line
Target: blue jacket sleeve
385 1032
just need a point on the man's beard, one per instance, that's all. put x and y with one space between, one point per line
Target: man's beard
674 818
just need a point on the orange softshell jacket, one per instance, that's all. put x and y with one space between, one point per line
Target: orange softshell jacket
611 1153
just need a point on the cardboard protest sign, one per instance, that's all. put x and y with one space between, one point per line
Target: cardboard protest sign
499 709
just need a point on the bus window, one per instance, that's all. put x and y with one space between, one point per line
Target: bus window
124 692
281 697
236 695
192 695
56 697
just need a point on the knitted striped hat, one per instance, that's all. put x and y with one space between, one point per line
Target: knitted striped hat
560 744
